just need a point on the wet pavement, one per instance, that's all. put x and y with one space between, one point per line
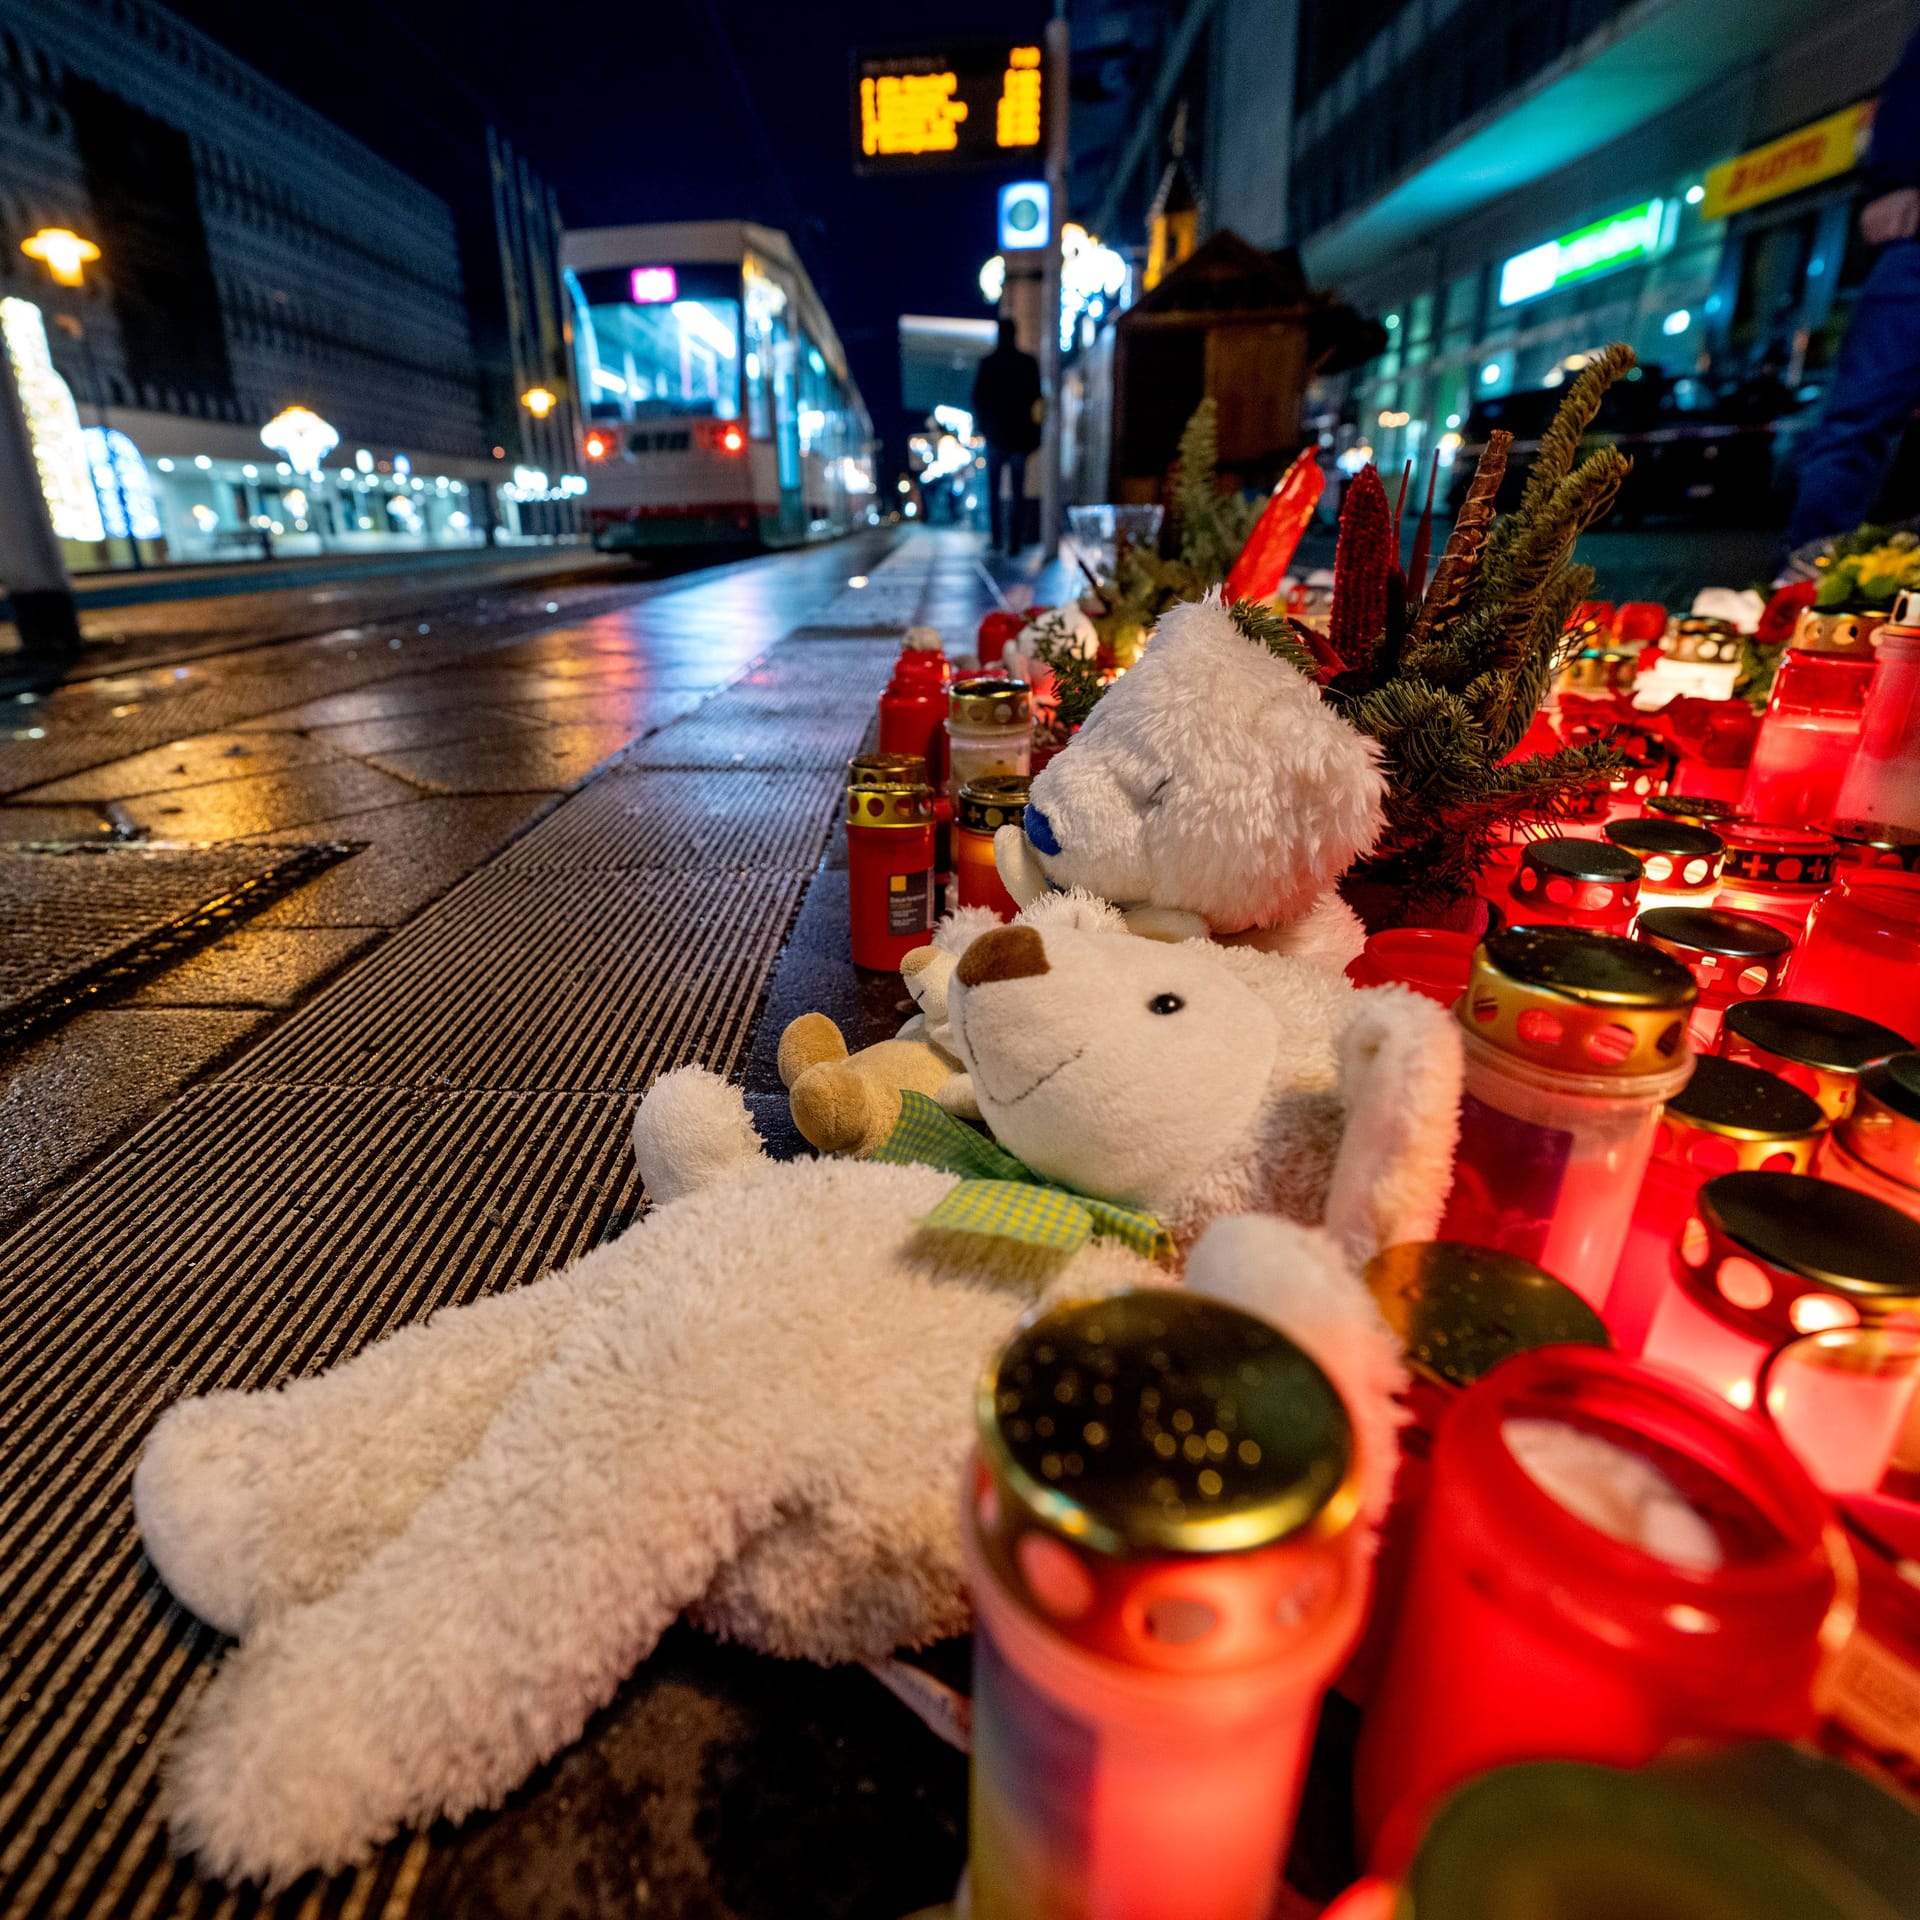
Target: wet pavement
406 1083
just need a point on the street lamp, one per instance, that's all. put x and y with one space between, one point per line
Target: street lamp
539 401
64 253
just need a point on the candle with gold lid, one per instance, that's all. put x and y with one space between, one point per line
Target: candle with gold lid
1575 883
1821 1050
1732 956
1696 809
1868 843
886 769
1167 1565
1876 1148
982 807
1766 1256
1679 863
1572 1040
1725 1119
1776 871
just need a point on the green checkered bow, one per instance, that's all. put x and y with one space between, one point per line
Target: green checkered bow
1000 1195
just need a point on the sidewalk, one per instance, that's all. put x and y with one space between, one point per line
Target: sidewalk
450 1117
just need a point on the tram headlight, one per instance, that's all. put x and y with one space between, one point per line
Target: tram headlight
597 446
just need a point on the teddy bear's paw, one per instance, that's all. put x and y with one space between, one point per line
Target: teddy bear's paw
809 1041
201 1508
690 1130
271 1778
837 1110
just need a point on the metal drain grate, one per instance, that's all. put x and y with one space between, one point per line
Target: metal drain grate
711 821
246 1235
528 978
77 922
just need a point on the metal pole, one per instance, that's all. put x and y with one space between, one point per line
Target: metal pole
31 563
1058 45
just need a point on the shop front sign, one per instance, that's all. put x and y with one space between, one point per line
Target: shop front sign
1803 159
1620 240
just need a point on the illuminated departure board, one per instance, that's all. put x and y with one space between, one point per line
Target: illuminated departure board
963 106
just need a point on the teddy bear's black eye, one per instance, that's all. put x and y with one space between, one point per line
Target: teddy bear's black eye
1165 1003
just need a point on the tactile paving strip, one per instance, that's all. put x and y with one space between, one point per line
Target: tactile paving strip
589 981
244 1236
77 922
729 732
712 821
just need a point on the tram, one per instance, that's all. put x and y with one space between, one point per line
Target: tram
715 401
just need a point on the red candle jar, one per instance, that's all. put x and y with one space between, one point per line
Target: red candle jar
1430 960
1883 776
889 867
981 809
1876 1148
1820 1050
1696 809
1866 843
1574 883
1160 1537
1648 770
1733 957
1572 1040
1806 737
1764 1257
1777 872
1457 1312
1725 1119
1679 864
1861 949
1533 1632
913 707
1639 621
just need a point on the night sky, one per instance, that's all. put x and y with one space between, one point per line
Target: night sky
636 113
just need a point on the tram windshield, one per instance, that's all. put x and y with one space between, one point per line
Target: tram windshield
655 341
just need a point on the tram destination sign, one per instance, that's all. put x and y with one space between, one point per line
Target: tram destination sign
972 105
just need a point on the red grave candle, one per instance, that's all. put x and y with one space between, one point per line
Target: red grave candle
1430 960
1861 949
1764 1257
1733 957
1876 1148
1537 1625
1574 883
1724 1119
1696 809
1679 863
889 867
1867 843
980 810
1776 872
1821 1050
1807 735
913 706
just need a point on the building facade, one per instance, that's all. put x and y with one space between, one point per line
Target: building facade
1510 184
253 259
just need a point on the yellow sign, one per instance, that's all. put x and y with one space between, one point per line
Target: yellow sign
1017 123
910 113
1803 159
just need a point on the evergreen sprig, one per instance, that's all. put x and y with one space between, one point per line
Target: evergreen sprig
1274 631
1481 653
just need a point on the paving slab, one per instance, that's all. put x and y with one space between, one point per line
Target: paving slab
204 759
517 761
266 802
434 728
272 967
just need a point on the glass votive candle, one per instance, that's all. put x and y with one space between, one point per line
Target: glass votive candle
1679 864
1695 809
1821 1050
1431 960
1565 882
1726 1119
1777 872
1807 734
983 807
1608 1561
1572 1040
1869 843
1160 1534
1840 1400
989 730
890 866
1732 956
1457 1312
1861 949
1883 775
1764 1257
1876 1148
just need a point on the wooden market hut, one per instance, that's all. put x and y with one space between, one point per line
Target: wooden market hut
1241 324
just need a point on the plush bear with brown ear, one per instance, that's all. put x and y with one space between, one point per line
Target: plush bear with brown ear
1213 791
753 1407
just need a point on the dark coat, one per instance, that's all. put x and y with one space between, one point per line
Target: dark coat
1006 400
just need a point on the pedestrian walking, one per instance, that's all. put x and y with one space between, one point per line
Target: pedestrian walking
1007 410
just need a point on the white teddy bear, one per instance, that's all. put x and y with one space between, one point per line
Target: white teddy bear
444 1555
1212 791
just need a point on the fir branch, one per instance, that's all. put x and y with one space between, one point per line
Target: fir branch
1422 540
1460 561
1213 526
1560 444
1077 681
1274 631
